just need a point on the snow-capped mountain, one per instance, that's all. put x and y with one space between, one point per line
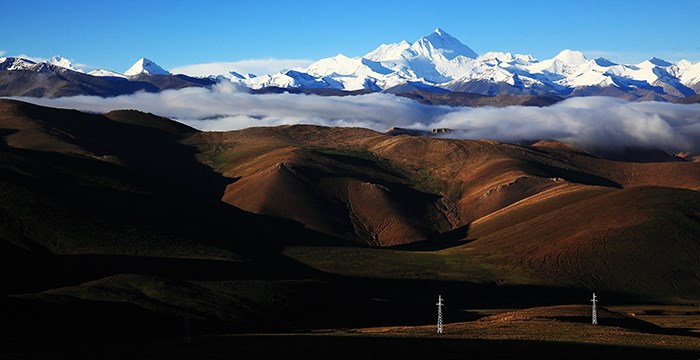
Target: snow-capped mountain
15 63
142 66
440 61
106 73
56 78
60 61
145 66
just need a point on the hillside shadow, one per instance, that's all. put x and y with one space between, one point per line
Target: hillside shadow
163 342
3 134
153 152
446 240
156 184
575 176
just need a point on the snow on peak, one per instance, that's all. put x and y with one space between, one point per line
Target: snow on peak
439 44
601 61
388 51
106 73
445 44
237 75
339 64
496 57
16 63
145 66
571 57
60 61
659 62
690 73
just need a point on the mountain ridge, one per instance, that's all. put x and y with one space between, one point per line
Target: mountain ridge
425 61
440 62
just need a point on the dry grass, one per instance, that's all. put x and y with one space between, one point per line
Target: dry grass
550 324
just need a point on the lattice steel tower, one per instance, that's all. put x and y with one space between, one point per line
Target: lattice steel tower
439 304
595 310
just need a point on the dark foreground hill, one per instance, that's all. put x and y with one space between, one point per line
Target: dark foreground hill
118 226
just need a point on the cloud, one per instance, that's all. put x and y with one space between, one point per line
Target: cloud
254 66
585 122
2 53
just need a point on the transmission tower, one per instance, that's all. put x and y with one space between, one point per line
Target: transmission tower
439 304
595 310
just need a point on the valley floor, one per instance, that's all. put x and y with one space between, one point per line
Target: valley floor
558 332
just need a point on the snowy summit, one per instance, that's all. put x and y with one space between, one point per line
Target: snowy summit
60 61
441 62
145 66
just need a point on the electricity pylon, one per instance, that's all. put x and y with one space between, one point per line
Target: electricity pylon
439 304
595 310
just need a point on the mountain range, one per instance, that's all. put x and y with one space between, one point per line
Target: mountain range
436 64
439 62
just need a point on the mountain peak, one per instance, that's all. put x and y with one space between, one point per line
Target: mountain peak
16 63
659 62
145 66
601 61
60 61
446 44
571 57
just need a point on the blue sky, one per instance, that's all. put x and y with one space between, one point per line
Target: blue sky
114 34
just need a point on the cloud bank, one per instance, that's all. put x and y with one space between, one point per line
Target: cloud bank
254 66
585 122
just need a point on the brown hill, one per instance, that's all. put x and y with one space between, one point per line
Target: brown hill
599 239
117 185
129 212
547 214
450 183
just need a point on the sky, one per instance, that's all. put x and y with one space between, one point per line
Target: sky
269 35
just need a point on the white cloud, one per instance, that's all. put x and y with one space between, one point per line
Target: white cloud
586 122
3 52
254 66
589 123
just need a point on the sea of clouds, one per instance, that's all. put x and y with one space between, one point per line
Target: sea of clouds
585 122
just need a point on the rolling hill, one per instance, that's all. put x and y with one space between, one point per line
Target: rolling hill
138 217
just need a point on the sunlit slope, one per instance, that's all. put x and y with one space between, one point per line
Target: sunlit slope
416 187
641 240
